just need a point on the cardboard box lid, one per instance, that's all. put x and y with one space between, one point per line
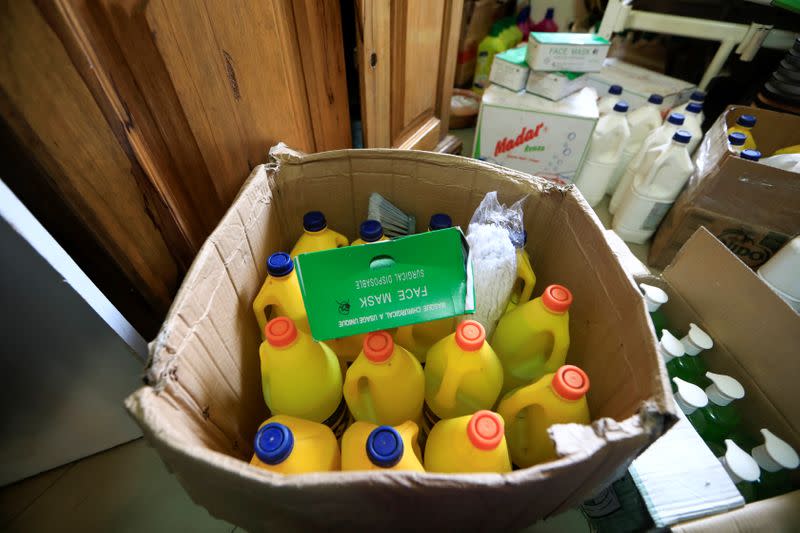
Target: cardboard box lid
582 104
774 514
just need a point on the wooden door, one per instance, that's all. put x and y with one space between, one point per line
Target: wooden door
406 58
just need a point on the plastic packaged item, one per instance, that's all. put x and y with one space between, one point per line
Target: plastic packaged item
750 155
692 124
605 150
289 445
775 458
781 273
491 45
368 232
548 23
654 298
509 69
660 136
697 97
317 236
736 141
720 419
742 469
557 398
532 340
301 377
744 124
606 104
385 384
526 279
367 446
689 396
471 443
642 122
462 375
662 175
280 295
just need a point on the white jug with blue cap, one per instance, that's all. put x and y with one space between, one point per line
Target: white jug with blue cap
641 121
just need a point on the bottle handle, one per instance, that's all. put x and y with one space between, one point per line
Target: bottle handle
341 241
453 375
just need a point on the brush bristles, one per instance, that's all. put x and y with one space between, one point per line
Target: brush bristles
395 222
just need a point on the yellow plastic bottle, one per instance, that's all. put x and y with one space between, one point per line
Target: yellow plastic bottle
385 384
472 443
744 124
526 279
795 149
280 295
301 377
490 46
289 445
558 398
317 236
419 338
533 339
367 446
370 231
463 375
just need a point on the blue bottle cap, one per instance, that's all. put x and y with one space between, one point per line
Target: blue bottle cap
314 221
440 221
694 107
384 446
698 96
279 264
751 155
676 118
273 443
621 106
656 99
682 136
737 138
746 121
370 230
615 89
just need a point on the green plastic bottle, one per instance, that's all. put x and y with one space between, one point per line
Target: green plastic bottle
695 342
654 298
720 419
742 469
490 46
671 350
776 458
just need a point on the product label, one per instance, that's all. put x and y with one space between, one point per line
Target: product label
656 215
579 58
749 246
358 289
339 420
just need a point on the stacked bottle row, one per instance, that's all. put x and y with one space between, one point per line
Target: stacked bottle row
710 402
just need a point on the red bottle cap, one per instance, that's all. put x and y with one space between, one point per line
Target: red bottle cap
378 346
557 298
485 430
570 382
280 331
470 335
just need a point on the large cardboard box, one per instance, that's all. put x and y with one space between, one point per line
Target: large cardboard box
203 402
639 83
756 338
753 208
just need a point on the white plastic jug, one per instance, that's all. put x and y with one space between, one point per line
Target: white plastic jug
692 123
605 148
606 104
654 189
697 97
661 135
641 121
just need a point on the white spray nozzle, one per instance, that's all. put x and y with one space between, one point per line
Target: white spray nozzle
653 297
723 389
775 454
696 340
739 465
689 397
669 346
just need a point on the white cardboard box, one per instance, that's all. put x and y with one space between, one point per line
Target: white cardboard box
555 85
535 135
510 70
576 52
639 83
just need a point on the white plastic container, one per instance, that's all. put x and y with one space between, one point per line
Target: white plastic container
661 135
609 100
605 148
782 273
663 174
697 97
692 124
641 121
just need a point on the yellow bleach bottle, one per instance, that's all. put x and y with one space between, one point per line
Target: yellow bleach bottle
385 384
317 236
367 446
472 443
289 445
526 279
301 377
280 295
558 398
463 375
744 124
370 231
419 338
533 339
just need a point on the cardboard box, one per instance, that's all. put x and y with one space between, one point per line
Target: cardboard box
509 69
576 52
555 85
203 403
751 207
756 337
639 83
535 135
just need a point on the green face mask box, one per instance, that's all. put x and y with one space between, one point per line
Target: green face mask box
383 285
